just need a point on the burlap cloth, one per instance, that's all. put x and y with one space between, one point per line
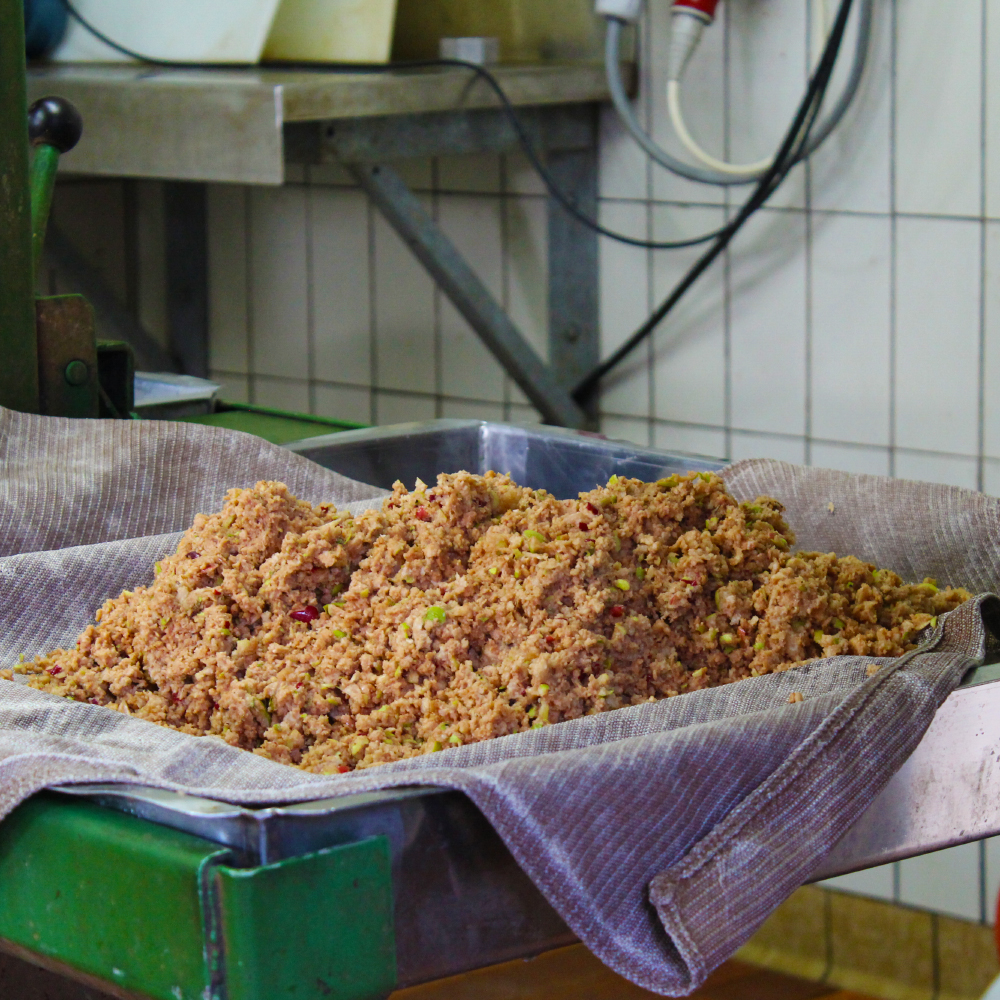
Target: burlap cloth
663 834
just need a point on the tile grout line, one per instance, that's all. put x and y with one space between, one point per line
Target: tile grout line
436 298
983 125
727 260
808 252
893 235
310 302
505 263
372 316
248 290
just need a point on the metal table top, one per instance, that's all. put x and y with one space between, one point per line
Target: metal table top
227 125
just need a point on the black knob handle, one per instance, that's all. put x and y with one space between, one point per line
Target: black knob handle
53 121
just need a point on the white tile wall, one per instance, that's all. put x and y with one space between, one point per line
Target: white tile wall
854 324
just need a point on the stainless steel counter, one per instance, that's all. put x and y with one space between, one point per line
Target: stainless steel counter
228 125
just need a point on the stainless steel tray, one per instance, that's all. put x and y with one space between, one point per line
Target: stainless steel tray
461 900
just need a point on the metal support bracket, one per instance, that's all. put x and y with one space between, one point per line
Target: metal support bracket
468 294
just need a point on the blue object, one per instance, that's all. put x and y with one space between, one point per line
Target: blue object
44 26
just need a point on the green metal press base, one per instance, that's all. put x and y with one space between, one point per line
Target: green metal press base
154 912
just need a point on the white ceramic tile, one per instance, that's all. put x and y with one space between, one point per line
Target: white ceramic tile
952 470
279 289
623 164
404 315
937 334
401 408
519 414
945 881
234 387
992 140
281 393
768 75
526 276
333 174
748 445
768 308
849 458
851 318
991 373
851 170
520 176
477 173
92 214
689 375
417 174
151 264
991 476
875 882
624 280
625 429
343 402
527 269
470 409
341 286
709 442
938 107
991 852
474 225
228 275
702 99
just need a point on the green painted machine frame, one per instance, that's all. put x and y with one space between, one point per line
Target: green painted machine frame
143 910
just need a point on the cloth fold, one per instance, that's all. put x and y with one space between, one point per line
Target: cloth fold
663 834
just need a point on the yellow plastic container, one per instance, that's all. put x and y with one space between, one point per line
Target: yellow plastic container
529 30
332 31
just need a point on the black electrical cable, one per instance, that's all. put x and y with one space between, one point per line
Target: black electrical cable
558 195
795 141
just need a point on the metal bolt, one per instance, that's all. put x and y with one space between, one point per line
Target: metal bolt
77 373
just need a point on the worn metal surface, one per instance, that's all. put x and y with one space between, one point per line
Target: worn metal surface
437 133
315 926
106 895
227 125
947 793
185 207
468 294
65 330
19 371
564 462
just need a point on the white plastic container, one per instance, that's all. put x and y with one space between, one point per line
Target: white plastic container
179 30
233 31
332 31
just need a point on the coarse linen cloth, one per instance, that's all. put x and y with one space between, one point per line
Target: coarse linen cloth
663 834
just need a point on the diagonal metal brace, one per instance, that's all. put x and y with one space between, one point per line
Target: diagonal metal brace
468 294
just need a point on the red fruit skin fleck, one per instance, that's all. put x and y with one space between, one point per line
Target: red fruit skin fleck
305 615
551 639
54 671
592 508
193 555
423 514
617 611
343 769
584 526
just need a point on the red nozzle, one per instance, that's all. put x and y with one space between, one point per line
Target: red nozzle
705 9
